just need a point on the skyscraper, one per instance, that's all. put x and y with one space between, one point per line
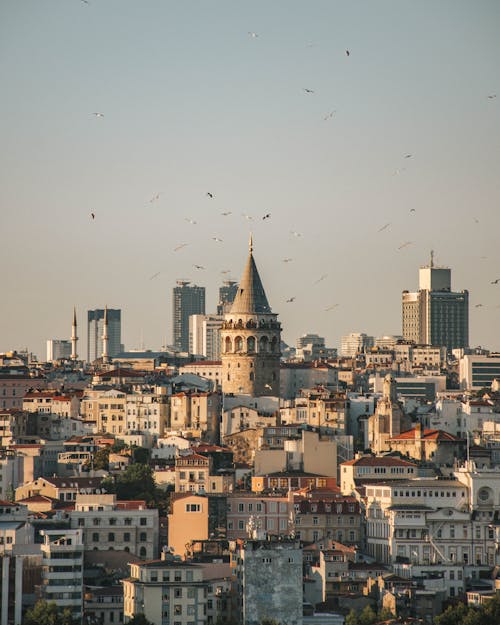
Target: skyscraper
204 335
187 300
250 339
227 293
435 315
355 343
95 331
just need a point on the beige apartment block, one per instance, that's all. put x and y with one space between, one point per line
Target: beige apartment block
107 408
197 412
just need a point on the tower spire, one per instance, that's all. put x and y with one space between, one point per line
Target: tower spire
432 259
74 336
250 244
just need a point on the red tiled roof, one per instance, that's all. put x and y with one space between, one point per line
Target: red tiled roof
378 461
427 435
132 504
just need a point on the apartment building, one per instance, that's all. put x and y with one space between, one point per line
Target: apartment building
363 470
272 513
62 570
108 524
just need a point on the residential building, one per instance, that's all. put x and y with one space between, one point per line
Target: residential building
297 375
320 516
198 412
61 488
363 470
106 524
388 421
187 300
195 517
434 315
95 332
427 445
58 349
196 473
48 401
107 408
208 369
14 384
62 571
273 511
166 591
250 339
104 605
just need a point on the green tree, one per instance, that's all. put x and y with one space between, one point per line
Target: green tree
453 615
101 459
136 482
141 455
45 613
352 618
384 614
368 616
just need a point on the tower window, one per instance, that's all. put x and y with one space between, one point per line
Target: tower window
251 375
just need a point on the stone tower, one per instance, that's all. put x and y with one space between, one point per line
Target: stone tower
250 339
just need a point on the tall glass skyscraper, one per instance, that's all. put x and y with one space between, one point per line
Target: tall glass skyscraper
187 300
95 324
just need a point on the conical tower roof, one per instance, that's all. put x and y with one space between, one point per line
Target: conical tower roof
250 297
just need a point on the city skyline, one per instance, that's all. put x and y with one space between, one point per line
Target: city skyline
352 166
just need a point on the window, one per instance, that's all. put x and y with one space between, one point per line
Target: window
241 507
193 507
126 537
143 521
177 609
142 552
111 537
178 593
95 537
143 537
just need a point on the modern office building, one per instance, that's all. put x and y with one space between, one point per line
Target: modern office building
58 349
250 339
227 293
187 300
477 372
204 335
355 343
95 331
435 315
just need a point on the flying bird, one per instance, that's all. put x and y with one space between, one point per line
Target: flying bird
295 234
210 195
492 96
226 213
325 275
249 217
307 90
331 307
225 271
155 275
398 171
476 220
478 306
266 216
92 215
253 35
180 246
384 227
98 114
191 221
268 386
406 244
154 198
412 210
287 260
86 1
347 53
496 281
217 240
291 299
328 115
198 267
408 155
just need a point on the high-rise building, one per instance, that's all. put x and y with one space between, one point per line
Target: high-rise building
204 335
355 343
435 315
95 332
227 293
187 300
58 349
250 340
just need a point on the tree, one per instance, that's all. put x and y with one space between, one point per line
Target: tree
101 459
368 616
352 618
384 614
45 613
136 482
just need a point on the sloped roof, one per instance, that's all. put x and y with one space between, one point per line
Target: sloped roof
427 435
250 296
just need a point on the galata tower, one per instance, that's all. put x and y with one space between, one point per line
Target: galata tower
250 339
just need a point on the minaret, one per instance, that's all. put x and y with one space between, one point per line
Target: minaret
74 337
105 357
250 339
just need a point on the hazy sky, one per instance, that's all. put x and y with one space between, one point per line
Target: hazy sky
192 104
